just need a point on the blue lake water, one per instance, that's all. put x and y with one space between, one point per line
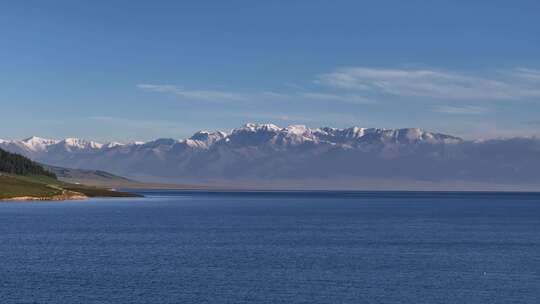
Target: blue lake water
327 247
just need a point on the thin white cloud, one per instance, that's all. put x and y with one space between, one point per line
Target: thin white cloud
527 74
506 85
461 110
208 95
359 85
311 96
347 98
217 96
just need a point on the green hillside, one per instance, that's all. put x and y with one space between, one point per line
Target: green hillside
21 177
20 165
16 186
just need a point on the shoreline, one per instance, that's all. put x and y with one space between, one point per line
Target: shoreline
66 195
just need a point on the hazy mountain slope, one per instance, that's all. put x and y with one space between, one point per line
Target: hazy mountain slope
269 153
86 176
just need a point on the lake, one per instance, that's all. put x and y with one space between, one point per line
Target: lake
281 247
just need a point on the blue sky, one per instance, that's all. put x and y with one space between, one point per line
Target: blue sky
139 70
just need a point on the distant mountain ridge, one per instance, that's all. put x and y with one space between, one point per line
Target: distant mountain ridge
292 135
268 152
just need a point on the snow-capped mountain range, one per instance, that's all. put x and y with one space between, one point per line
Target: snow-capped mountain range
269 152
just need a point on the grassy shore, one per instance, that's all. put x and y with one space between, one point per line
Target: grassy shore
43 187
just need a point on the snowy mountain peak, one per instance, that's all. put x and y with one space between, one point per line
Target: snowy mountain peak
341 135
415 134
35 143
113 144
34 140
254 127
81 144
205 139
207 136
161 142
297 130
